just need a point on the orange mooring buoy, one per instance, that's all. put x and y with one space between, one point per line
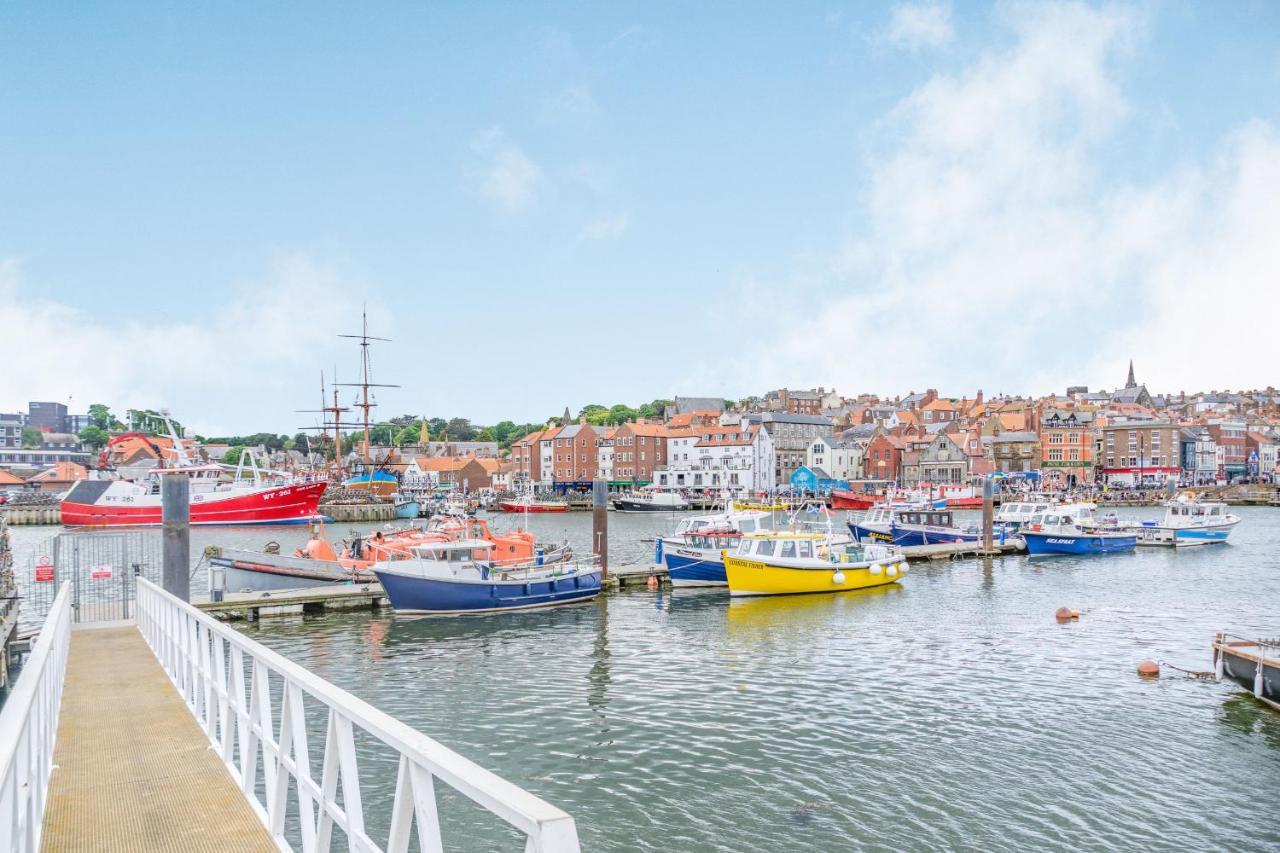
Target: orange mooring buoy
653 581
1149 669
1066 614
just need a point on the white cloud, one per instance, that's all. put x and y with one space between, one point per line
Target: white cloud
507 176
246 364
998 253
916 25
607 228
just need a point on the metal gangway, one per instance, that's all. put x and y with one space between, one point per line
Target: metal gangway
210 694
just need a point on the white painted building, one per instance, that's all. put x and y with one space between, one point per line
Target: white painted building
604 456
841 459
735 457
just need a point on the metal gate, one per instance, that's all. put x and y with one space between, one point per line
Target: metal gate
102 568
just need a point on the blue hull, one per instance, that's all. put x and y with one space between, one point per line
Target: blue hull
694 571
861 534
1049 543
409 509
904 536
1199 537
435 595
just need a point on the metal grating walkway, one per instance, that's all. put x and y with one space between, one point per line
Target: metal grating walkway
133 771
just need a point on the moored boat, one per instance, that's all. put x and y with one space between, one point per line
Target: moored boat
693 554
651 500
928 527
453 578
1253 664
1188 522
1061 532
111 503
528 504
797 563
841 499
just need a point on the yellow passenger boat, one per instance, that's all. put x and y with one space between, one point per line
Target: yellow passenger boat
792 563
756 506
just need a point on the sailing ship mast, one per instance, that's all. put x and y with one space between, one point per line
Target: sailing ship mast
336 411
364 403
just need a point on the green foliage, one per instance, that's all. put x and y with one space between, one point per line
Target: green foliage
653 409
460 429
93 437
409 434
232 456
100 416
32 437
268 440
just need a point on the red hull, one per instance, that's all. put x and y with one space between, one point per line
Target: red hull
850 500
964 503
284 505
516 507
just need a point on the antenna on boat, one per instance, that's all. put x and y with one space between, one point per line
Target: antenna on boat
364 403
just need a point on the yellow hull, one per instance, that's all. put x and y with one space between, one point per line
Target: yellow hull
751 577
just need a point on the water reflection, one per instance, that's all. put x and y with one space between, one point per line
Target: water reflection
1245 714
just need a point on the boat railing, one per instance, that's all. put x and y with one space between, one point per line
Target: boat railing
28 728
231 685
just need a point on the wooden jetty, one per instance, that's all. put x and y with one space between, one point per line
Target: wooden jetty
956 550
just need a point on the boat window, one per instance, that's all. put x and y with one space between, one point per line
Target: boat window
764 548
788 549
1050 519
1214 511
744 547
1066 519
806 550
1041 507
747 526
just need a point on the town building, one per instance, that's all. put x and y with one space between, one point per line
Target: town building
792 434
734 458
639 449
1230 437
943 461
1015 451
575 448
882 460
840 458
1066 447
1260 460
1140 453
10 430
1199 456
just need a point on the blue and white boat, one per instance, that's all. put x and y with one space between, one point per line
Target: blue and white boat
1188 522
451 578
408 508
1063 533
910 526
692 554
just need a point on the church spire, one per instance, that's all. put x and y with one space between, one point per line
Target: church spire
1131 383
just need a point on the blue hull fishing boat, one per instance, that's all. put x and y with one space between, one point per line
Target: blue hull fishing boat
450 579
1078 542
906 527
1071 530
693 554
408 509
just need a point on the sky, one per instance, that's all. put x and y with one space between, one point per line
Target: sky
550 205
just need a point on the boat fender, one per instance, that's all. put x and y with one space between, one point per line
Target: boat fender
893 570
875 569
838 578
1259 668
1218 663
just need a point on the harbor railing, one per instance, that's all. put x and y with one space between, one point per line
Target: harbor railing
28 728
226 680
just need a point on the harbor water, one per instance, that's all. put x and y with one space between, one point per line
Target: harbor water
950 711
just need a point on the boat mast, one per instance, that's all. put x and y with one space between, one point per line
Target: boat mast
364 385
336 411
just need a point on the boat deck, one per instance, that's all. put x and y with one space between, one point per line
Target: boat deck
133 771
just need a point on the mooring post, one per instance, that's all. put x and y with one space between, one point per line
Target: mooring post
175 490
988 512
600 525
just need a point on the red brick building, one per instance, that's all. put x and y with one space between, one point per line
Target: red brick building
575 448
638 449
883 457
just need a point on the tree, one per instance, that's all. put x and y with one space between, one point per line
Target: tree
408 434
94 437
100 416
232 456
654 409
32 437
460 429
621 413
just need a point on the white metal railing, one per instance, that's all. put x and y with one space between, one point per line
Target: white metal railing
28 728
224 677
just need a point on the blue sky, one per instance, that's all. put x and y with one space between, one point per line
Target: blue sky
551 205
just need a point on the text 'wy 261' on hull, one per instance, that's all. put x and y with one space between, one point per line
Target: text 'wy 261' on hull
105 503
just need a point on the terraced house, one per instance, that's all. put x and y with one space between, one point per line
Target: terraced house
1066 446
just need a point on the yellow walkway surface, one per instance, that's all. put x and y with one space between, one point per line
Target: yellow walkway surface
133 770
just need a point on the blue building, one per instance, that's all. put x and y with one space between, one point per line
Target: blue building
815 481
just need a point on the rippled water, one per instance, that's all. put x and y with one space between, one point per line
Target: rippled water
950 711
